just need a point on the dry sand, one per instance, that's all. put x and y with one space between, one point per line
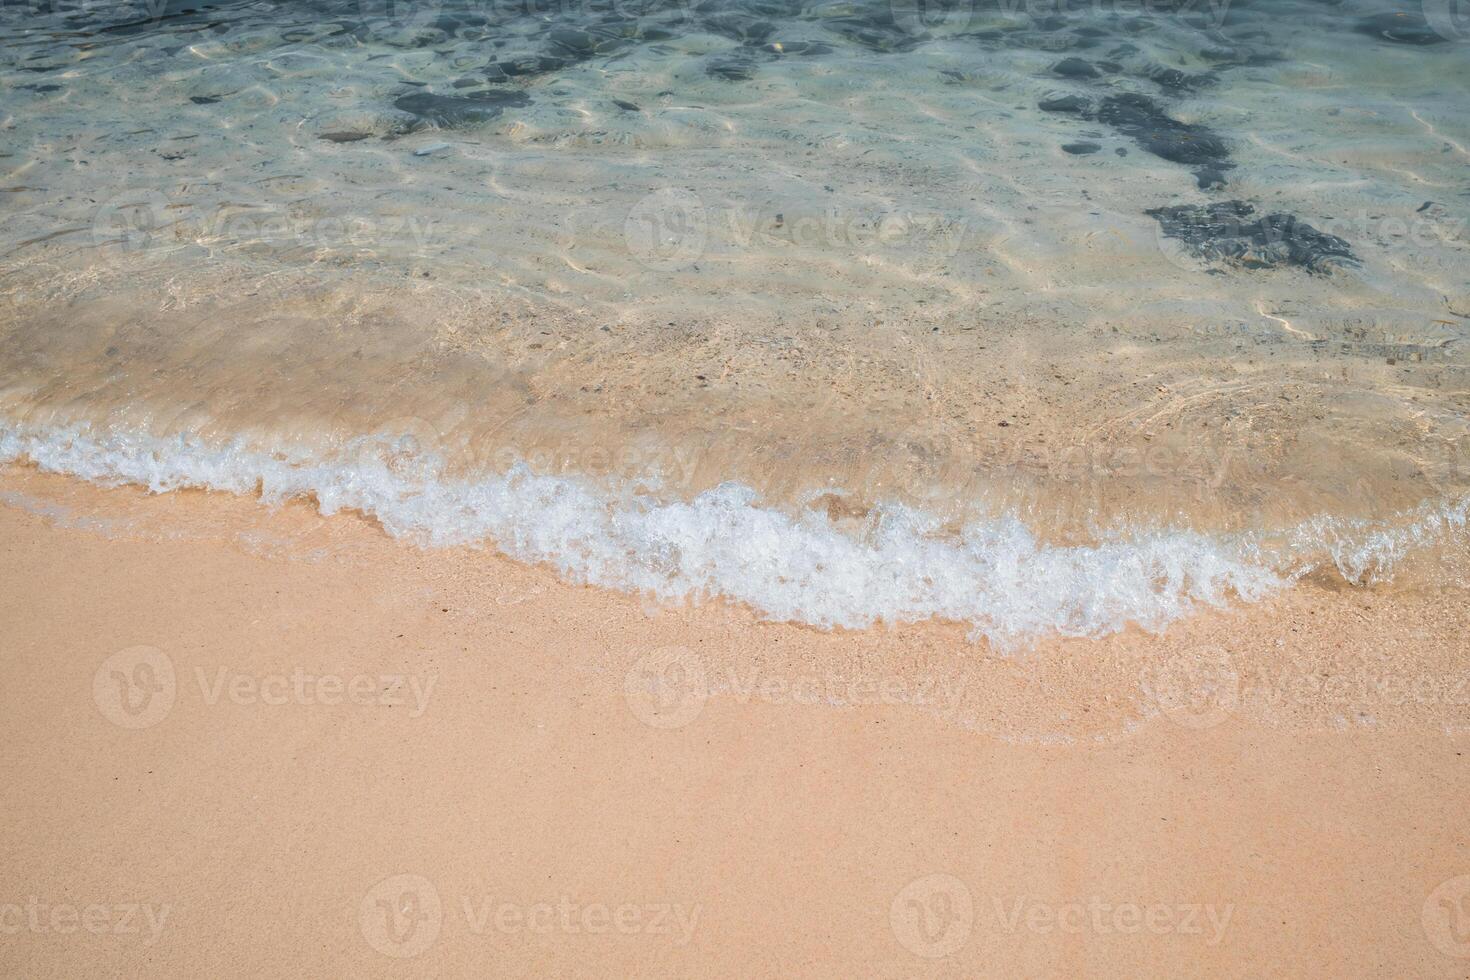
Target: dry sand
245 742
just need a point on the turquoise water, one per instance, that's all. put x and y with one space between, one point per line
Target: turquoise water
1037 316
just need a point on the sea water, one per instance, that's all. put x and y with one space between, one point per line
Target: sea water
1045 317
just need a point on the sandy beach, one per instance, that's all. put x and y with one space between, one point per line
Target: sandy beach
820 488
249 742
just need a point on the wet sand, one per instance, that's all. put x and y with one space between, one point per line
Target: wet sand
245 742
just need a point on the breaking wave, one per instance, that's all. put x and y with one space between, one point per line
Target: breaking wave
901 566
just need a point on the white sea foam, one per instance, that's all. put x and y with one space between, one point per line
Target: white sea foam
1368 552
995 576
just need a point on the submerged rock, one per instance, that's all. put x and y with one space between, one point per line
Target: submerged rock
573 41
873 28
1142 120
1073 104
1208 178
532 65
1400 28
731 67
1074 68
1174 81
739 26
1229 230
452 111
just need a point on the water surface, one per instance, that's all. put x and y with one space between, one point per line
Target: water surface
1044 317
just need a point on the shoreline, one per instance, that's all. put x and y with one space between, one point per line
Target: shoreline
824 563
560 799
748 488
1318 655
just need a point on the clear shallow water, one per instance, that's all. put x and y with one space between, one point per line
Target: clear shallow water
1037 318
